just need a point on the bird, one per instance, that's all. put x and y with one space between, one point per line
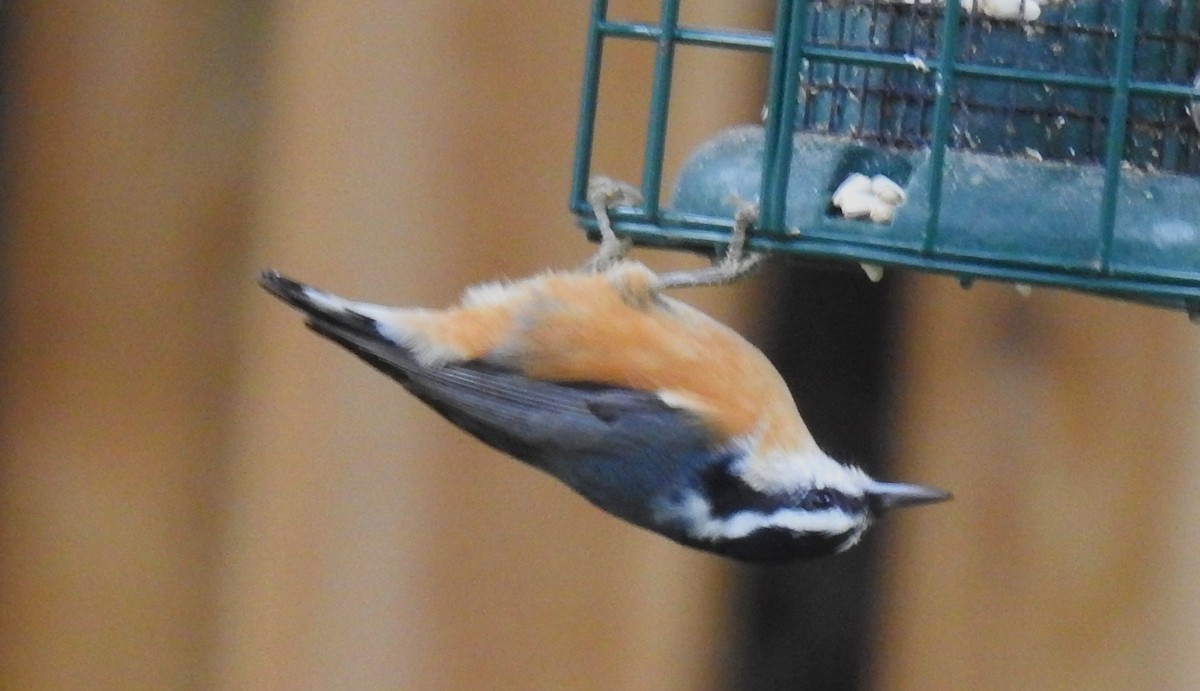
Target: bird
646 406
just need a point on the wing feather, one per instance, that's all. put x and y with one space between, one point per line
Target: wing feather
533 420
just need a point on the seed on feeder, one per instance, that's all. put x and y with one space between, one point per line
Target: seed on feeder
917 62
882 211
858 204
855 183
1194 107
1029 10
874 271
1024 289
886 189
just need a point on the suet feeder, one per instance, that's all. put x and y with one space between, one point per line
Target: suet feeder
1051 143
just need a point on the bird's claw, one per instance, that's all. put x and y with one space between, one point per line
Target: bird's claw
604 192
736 262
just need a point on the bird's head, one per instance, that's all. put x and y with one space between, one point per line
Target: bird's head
786 508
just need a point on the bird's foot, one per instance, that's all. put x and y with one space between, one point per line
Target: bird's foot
736 263
602 193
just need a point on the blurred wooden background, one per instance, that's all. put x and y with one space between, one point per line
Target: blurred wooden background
196 493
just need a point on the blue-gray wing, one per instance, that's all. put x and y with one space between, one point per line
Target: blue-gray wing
540 422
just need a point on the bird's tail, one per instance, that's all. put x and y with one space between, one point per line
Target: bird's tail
322 309
352 325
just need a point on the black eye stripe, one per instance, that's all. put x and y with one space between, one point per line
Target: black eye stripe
817 500
729 494
828 498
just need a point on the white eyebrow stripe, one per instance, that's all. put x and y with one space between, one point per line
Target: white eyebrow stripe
696 513
784 472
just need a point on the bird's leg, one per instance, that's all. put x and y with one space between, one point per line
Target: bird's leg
736 263
604 192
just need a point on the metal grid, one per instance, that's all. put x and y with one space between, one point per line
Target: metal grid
1068 56
1081 117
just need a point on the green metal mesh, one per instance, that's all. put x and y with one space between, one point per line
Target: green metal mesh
1057 151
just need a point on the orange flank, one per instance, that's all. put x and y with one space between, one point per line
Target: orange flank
616 328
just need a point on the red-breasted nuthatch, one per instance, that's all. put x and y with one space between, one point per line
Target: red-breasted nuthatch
650 409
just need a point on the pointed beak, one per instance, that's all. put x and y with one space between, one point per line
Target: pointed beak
893 495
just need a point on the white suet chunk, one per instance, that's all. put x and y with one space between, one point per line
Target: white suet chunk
886 189
873 271
857 205
1194 107
874 198
882 211
1027 10
854 184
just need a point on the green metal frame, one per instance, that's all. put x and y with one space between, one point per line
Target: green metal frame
656 224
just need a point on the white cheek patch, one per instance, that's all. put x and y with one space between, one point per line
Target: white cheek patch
696 514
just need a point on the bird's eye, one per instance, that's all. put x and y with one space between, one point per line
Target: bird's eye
817 500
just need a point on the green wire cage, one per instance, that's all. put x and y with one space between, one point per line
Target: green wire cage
1041 142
